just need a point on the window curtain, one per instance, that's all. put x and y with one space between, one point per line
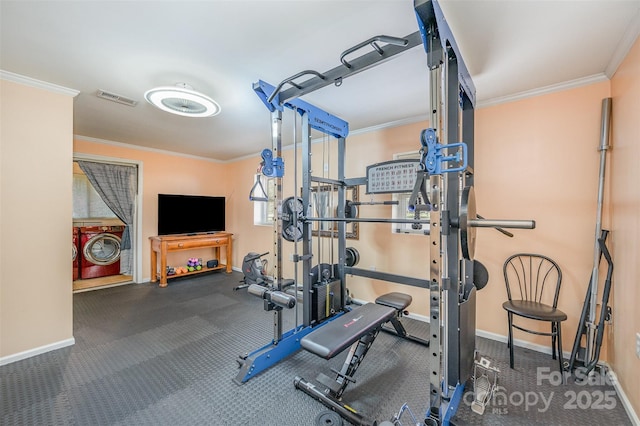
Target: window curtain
117 186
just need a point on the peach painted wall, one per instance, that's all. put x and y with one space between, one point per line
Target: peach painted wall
168 174
537 159
625 201
35 174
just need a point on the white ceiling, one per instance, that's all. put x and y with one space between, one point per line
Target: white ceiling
222 47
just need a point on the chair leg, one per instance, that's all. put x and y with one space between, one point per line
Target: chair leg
510 339
560 356
553 339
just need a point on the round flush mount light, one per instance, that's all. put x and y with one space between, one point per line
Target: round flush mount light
181 99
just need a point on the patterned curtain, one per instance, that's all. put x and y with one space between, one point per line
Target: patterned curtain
117 185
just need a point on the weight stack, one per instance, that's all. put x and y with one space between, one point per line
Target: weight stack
326 299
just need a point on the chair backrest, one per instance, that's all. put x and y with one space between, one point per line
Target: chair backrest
534 277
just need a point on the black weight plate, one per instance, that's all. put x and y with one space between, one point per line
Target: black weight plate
467 233
328 418
320 273
350 210
352 256
480 275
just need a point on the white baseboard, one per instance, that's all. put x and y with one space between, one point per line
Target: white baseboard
521 343
36 351
623 396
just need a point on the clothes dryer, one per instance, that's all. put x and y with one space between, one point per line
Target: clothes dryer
75 257
100 248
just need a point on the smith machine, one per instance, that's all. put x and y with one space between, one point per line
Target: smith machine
444 183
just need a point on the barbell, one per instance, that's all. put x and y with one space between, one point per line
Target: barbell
467 221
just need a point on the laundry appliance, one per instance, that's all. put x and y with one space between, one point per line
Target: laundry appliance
100 249
75 257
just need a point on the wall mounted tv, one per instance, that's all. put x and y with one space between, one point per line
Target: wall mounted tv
190 214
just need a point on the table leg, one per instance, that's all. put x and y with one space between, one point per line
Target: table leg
154 264
163 266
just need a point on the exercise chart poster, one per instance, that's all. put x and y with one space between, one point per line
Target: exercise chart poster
392 176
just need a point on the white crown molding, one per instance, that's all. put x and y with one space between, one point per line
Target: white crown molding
624 46
36 351
145 148
39 84
571 84
390 124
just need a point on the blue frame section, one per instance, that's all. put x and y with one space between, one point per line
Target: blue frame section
434 161
272 167
271 354
318 119
450 409
446 38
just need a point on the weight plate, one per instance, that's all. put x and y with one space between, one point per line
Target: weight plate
480 275
328 418
292 206
321 272
350 210
467 233
292 233
352 256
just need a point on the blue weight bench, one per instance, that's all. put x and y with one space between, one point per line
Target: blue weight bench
356 329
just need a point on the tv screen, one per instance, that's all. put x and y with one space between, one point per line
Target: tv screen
190 214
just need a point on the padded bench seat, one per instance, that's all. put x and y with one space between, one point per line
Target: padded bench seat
331 339
398 301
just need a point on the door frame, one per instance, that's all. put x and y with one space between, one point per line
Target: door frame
137 246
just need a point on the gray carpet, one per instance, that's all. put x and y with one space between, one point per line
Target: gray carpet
151 356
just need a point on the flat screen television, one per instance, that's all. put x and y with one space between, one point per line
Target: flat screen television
190 214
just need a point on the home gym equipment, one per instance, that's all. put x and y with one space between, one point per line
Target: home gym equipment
358 329
273 299
588 358
445 179
400 302
330 295
253 268
588 354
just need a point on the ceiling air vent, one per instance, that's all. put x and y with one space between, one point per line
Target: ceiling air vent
116 98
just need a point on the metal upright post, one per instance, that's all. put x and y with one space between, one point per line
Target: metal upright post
342 226
276 133
307 249
452 312
435 275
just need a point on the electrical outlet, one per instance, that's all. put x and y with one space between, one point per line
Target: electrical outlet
638 345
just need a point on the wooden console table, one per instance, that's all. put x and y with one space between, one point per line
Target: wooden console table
161 245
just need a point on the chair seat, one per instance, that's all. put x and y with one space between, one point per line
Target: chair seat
534 310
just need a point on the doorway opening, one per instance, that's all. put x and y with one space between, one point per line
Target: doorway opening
106 243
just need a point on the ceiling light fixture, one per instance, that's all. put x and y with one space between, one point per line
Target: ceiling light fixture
181 99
